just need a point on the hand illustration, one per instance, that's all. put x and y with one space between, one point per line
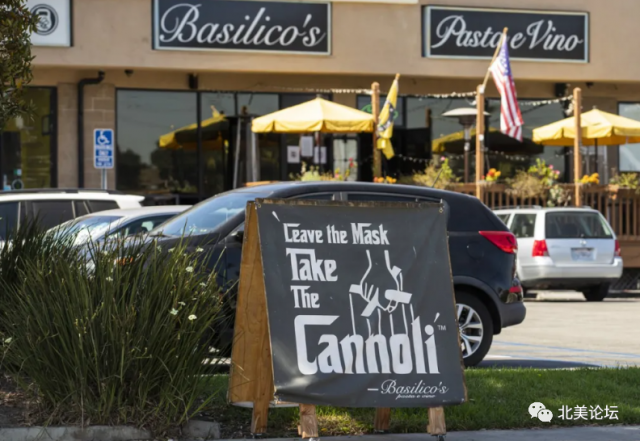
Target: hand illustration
371 293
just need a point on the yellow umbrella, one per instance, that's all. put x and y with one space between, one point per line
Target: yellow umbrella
317 115
186 137
598 128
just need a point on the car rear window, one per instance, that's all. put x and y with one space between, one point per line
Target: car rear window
574 224
8 218
523 225
96 206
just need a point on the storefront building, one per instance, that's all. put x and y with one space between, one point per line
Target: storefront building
165 65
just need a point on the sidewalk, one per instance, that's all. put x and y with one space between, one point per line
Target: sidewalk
611 433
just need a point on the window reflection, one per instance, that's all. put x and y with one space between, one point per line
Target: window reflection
629 153
144 163
26 144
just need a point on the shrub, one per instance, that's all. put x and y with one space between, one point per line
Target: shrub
525 185
625 180
427 178
120 341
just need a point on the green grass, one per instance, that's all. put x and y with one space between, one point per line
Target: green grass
498 399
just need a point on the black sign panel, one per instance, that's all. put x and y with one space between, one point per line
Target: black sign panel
360 304
242 25
451 32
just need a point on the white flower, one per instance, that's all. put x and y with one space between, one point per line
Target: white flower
203 284
189 269
181 303
159 248
10 339
199 250
109 279
171 250
173 311
192 317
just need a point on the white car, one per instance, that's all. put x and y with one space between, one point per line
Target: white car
55 206
564 248
96 227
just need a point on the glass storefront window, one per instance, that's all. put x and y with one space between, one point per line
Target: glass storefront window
257 103
215 139
27 144
364 103
143 166
629 153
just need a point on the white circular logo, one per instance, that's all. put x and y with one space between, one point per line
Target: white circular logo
47 19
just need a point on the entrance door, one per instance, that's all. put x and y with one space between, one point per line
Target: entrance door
27 145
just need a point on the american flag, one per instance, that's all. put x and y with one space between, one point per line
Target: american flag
510 116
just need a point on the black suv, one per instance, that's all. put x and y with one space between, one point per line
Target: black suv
483 251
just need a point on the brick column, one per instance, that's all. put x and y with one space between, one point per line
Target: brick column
99 113
67 120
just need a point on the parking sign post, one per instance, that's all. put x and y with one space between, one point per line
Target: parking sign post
103 154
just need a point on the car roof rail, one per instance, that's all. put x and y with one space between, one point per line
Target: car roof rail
511 207
60 190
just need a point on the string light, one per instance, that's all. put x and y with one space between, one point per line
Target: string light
438 96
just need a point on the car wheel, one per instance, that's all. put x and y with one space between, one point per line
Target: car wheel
476 327
596 293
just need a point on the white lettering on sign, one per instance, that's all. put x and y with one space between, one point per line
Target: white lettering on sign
180 23
363 235
309 268
542 33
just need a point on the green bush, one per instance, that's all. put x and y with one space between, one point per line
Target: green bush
119 341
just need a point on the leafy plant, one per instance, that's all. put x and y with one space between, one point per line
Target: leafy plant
625 180
544 172
492 175
526 185
312 173
118 338
16 25
427 178
559 196
385 180
591 179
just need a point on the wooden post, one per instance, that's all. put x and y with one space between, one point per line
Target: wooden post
436 425
308 422
479 141
382 419
375 111
577 142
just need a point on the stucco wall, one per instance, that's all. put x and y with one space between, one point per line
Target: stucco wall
367 39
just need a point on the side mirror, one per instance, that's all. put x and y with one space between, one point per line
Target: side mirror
238 235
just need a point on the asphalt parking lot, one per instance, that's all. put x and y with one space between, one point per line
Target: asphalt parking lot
563 331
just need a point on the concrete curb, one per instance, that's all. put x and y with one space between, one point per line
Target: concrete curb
192 431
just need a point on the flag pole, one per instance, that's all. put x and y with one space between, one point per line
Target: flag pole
375 111
480 120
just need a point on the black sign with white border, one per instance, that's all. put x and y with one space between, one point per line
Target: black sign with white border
242 25
360 304
468 33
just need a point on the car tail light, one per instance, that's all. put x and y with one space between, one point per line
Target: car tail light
617 249
504 240
540 248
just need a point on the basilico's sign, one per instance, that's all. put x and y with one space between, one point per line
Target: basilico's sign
346 304
264 26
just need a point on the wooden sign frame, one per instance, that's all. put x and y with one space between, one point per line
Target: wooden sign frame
251 381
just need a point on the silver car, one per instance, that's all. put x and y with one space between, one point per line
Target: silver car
564 248
96 227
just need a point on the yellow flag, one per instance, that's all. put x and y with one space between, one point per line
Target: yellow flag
385 121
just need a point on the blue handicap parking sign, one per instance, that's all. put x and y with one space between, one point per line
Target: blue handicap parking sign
103 148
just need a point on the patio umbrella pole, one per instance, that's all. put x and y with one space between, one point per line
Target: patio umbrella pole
375 111
577 141
236 159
